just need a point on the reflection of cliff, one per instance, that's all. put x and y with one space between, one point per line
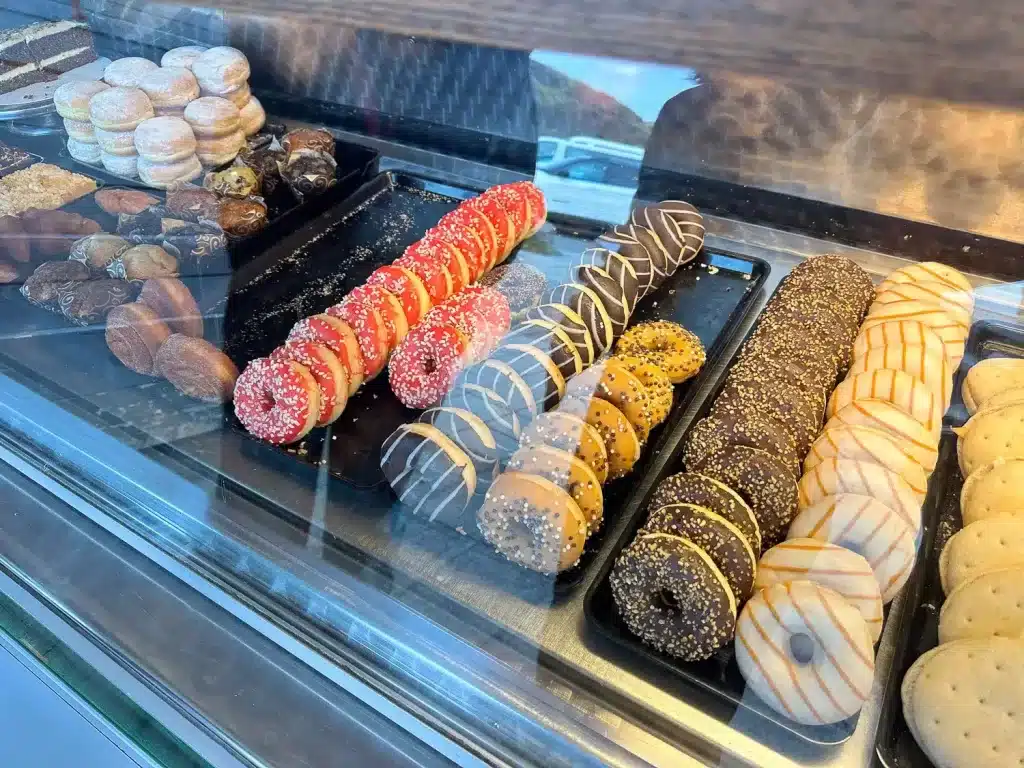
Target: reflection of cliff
567 107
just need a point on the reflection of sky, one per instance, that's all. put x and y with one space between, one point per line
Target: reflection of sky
642 87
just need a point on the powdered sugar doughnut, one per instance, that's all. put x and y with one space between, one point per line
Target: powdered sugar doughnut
425 365
805 652
251 115
86 153
127 72
326 370
72 98
221 69
127 166
182 56
338 337
170 87
277 400
119 109
368 326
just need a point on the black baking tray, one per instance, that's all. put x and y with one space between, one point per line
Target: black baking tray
917 631
718 676
319 264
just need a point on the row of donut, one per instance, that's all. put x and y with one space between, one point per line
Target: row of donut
681 582
860 500
981 570
527 374
279 400
162 123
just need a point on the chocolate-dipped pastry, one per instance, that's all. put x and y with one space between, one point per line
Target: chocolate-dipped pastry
552 340
535 368
200 203
588 305
196 242
234 181
97 251
88 302
469 432
613 296
242 217
500 419
570 322
308 173
638 245
618 267
431 475
678 244
501 378
308 138
43 286
117 200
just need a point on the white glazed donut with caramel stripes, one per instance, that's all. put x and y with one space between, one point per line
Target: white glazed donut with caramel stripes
865 526
928 271
833 476
897 387
829 565
872 445
899 333
884 416
953 335
806 652
952 300
928 365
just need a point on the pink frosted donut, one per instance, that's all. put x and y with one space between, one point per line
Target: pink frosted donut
327 371
481 313
424 367
277 400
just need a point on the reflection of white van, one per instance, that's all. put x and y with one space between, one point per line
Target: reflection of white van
553 150
595 187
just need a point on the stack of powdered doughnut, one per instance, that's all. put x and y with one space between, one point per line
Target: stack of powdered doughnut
548 406
804 638
424 299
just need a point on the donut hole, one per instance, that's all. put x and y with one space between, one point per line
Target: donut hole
666 600
801 647
430 365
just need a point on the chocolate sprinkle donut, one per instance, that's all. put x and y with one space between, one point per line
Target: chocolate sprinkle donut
727 547
806 377
785 402
672 596
704 491
764 482
739 425
839 274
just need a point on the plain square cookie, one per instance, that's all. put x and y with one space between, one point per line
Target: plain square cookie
966 704
990 378
990 434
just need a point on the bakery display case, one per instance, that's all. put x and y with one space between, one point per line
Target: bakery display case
460 400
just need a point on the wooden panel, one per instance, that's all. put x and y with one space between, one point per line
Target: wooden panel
966 51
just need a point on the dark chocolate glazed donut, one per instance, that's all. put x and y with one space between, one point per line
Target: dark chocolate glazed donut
501 378
618 303
471 434
429 478
764 482
704 491
679 231
725 544
673 597
545 381
639 246
494 411
550 339
570 322
588 305
618 268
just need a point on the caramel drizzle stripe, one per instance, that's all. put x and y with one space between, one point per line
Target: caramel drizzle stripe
835 664
898 496
853 521
781 655
885 427
764 674
817 571
822 520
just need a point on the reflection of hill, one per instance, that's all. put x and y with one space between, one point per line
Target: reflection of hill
567 107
